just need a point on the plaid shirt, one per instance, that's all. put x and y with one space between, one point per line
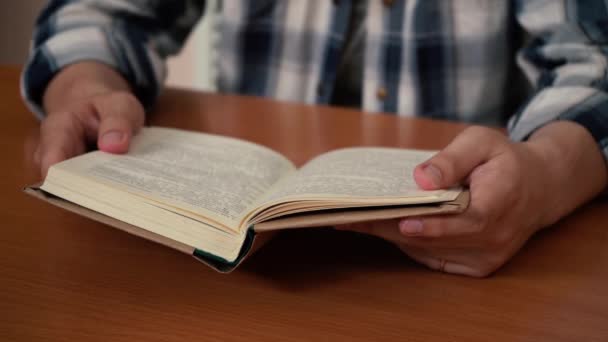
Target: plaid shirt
527 62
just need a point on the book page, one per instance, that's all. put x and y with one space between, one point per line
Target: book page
360 174
216 177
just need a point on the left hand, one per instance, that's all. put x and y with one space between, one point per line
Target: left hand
516 189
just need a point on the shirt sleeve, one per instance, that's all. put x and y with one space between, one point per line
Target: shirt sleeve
566 61
133 37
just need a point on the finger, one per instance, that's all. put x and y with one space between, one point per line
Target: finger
463 269
423 257
485 207
453 164
61 136
448 259
389 230
385 229
469 222
121 116
448 264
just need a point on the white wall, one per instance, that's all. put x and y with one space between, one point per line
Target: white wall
194 66
16 22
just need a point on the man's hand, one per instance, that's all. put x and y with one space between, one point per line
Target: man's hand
516 189
87 103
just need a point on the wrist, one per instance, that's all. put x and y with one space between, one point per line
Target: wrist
80 81
570 167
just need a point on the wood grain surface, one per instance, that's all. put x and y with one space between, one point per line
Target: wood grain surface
66 278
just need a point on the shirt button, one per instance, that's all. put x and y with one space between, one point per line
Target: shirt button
381 93
388 3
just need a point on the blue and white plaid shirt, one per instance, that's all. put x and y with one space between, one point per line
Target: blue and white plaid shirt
483 61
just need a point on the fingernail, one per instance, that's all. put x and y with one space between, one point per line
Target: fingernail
112 138
410 226
433 173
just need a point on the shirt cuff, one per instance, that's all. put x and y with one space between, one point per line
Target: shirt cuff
583 105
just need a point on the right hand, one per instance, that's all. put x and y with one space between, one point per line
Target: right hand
87 104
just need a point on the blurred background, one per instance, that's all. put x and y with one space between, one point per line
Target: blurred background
193 68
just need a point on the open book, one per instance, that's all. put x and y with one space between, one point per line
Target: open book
209 195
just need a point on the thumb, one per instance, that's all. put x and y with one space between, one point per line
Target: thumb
452 165
121 116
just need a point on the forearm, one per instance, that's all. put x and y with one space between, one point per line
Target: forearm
133 37
575 170
80 81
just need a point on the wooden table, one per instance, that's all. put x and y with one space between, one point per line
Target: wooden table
63 277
